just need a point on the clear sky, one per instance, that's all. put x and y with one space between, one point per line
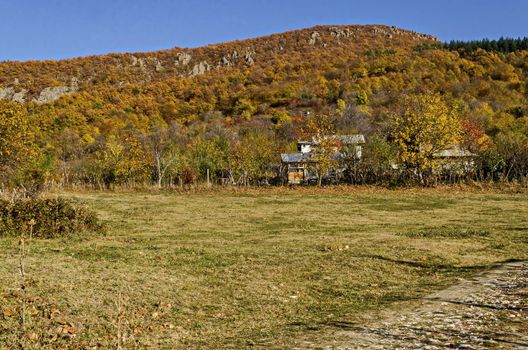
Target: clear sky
53 29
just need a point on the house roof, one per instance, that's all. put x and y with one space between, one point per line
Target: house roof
344 139
352 139
455 152
305 157
295 157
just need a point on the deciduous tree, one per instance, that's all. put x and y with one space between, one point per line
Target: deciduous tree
321 130
162 144
424 125
17 139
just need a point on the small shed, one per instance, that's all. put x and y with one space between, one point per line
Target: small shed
456 158
296 166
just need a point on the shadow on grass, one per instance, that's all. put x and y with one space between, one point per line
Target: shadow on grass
441 267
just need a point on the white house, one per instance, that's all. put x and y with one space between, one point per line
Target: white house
297 165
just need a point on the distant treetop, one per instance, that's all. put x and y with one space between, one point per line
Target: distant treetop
502 45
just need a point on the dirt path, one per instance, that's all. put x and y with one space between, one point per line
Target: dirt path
488 311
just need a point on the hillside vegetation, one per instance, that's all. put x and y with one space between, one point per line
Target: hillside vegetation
123 118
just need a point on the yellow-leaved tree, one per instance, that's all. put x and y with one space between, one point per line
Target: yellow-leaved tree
423 126
252 157
321 131
17 139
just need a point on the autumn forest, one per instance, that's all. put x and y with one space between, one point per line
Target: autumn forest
184 116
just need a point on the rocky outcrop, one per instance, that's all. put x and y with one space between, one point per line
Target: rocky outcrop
158 66
314 38
53 93
249 56
340 32
200 68
225 62
182 59
233 58
46 95
138 62
20 96
229 60
6 93
10 93
392 30
147 64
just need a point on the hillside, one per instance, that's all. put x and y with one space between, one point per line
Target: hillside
39 80
270 84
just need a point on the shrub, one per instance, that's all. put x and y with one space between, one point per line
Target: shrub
50 218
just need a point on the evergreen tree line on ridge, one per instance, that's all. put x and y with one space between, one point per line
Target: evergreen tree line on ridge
504 45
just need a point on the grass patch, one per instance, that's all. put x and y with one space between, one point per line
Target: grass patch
238 269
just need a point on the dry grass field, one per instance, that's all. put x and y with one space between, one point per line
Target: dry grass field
235 269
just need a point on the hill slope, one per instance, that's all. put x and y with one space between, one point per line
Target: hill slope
356 74
35 80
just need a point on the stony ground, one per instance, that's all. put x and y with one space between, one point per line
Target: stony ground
488 311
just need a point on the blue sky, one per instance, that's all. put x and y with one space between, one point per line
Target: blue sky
54 29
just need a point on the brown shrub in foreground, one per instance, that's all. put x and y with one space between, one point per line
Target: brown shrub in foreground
46 218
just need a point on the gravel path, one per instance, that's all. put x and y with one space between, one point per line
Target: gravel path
488 311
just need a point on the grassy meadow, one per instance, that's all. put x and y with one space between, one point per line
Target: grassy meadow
250 268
